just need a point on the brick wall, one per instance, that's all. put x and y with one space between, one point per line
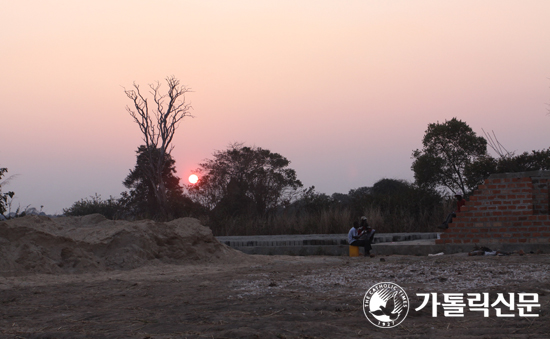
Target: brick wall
509 208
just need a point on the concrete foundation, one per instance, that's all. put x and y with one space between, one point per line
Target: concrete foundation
336 244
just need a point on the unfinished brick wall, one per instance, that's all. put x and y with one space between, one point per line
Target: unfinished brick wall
509 208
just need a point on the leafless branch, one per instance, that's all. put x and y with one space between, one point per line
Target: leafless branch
493 142
158 124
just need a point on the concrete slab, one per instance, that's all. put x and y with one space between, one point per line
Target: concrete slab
336 244
315 239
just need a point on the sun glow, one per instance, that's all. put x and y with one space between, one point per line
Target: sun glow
193 178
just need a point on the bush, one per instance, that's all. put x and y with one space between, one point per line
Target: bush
110 208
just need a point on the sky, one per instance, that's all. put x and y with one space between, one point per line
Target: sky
343 89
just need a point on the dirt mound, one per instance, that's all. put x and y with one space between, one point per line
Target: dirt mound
41 244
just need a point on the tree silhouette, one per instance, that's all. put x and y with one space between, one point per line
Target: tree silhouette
448 148
158 123
141 199
251 175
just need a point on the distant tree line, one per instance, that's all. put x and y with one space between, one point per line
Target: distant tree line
454 159
251 190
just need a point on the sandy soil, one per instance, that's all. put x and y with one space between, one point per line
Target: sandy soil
264 297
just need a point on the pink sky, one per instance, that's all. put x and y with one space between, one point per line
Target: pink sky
343 89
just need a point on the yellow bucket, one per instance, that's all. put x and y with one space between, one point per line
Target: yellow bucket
353 251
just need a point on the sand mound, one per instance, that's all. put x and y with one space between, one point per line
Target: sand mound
40 244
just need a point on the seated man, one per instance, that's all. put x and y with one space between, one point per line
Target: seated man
361 240
364 231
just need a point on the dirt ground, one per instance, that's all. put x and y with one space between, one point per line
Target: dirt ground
270 297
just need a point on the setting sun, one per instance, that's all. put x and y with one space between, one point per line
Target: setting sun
193 178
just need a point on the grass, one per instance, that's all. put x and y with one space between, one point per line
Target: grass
330 221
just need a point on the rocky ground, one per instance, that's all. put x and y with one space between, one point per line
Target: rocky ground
270 297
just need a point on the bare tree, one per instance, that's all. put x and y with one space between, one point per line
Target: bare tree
493 142
158 123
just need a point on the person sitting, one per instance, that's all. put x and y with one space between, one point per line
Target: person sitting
459 203
363 239
365 231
